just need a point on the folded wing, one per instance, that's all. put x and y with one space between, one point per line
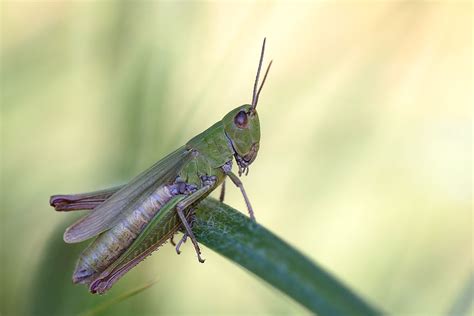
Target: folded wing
81 201
125 200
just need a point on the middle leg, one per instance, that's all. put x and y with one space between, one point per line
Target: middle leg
185 234
222 195
184 204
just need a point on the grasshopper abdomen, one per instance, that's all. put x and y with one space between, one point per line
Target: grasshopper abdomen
111 244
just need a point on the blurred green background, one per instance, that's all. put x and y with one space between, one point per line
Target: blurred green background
364 164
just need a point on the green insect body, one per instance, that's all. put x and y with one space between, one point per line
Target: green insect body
110 245
133 220
163 226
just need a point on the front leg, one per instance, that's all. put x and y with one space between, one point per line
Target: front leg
240 185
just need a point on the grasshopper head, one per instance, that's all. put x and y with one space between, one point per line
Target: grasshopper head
242 126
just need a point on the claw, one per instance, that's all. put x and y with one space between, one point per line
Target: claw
182 241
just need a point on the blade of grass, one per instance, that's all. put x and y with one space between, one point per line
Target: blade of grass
235 236
97 310
462 305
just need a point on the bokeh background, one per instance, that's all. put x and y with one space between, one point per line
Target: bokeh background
365 159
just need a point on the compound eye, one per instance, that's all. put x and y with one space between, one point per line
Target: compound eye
241 119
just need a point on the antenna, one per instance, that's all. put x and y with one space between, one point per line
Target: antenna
263 81
256 93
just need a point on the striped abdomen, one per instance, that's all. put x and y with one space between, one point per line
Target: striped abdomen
164 225
112 243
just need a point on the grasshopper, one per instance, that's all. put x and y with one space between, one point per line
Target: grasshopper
133 220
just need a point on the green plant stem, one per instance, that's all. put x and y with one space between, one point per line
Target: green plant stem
235 236
462 304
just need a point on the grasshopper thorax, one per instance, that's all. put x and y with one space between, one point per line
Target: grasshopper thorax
242 128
